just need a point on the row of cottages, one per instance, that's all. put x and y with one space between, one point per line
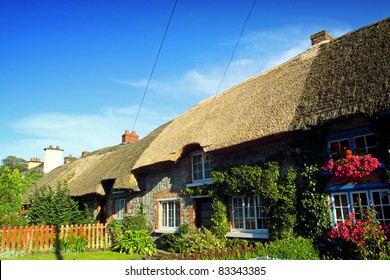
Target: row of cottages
102 179
337 92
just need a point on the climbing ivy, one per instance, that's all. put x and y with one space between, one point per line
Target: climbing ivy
314 214
277 191
219 218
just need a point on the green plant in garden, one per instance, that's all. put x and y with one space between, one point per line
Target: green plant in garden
219 218
314 215
290 248
365 236
10 191
73 243
55 207
135 242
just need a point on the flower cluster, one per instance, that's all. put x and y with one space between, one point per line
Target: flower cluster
367 235
352 166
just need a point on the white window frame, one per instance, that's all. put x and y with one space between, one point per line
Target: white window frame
120 208
204 179
169 211
357 205
254 231
342 207
382 193
366 147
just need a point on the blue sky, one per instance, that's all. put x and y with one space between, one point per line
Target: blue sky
73 73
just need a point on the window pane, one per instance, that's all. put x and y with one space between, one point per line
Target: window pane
238 215
177 213
371 140
197 167
360 144
261 218
376 197
249 213
208 165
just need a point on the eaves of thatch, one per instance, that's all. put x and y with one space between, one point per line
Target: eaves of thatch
347 76
86 174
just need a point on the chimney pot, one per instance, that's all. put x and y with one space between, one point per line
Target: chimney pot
129 137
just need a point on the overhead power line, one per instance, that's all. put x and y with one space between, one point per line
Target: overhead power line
154 65
235 47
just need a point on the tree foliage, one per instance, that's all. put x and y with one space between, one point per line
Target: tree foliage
55 207
13 163
10 191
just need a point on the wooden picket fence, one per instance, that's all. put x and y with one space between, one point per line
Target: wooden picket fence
42 238
211 254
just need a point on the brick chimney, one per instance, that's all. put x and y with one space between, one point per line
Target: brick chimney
321 37
68 159
129 137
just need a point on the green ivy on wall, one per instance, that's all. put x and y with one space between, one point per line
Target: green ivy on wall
277 191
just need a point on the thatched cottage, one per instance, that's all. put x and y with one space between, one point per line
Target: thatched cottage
338 91
102 179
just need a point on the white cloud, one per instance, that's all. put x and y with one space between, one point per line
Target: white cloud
76 133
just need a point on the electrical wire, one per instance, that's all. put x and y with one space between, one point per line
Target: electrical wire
228 65
235 47
154 65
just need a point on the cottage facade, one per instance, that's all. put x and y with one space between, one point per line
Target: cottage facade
336 92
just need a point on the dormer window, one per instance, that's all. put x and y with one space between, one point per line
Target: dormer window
201 167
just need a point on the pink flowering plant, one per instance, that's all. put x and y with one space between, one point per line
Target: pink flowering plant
352 167
366 236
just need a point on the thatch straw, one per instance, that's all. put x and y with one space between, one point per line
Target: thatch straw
349 75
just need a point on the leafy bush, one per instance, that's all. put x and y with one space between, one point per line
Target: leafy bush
365 236
10 191
72 243
14 219
219 219
137 222
135 242
55 207
291 248
200 239
114 230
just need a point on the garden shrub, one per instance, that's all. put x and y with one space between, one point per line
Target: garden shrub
135 242
220 224
291 248
200 239
14 219
366 237
72 243
137 222
55 207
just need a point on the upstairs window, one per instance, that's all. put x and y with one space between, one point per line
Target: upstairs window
359 141
202 165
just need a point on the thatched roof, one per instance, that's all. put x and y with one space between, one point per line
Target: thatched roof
347 76
86 174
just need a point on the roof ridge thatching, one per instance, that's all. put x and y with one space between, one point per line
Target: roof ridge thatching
313 87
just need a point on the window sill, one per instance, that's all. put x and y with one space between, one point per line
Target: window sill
166 230
262 234
202 182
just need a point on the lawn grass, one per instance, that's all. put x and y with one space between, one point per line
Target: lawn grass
98 255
